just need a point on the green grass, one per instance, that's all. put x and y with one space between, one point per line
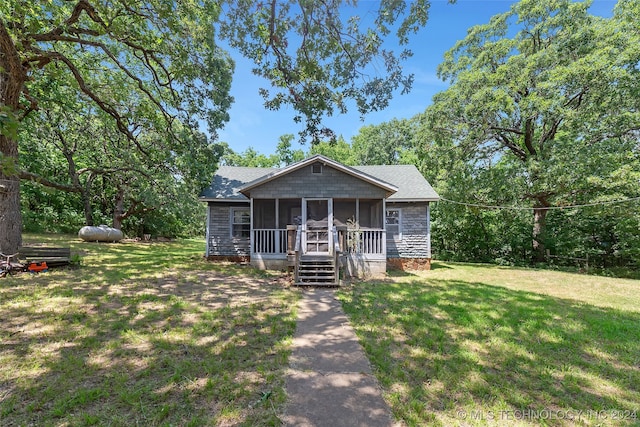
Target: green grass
143 334
485 345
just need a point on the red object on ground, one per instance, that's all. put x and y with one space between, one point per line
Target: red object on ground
36 267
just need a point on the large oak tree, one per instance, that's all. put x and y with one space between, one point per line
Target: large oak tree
164 53
550 87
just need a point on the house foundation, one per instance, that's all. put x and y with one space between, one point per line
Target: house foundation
419 264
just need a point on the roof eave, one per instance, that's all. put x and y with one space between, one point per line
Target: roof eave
422 199
213 199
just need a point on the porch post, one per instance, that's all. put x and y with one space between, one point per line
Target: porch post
384 227
277 227
303 226
330 223
251 228
428 237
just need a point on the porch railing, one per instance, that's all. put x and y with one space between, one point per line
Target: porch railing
366 241
269 241
354 241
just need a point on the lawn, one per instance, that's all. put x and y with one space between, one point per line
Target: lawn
151 334
485 345
143 334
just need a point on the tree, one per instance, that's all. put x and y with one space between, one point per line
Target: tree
339 150
165 52
317 58
248 158
388 143
74 149
286 153
549 86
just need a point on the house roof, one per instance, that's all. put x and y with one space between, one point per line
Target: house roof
412 186
389 188
402 182
228 181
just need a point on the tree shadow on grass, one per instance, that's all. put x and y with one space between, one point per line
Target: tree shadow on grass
197 348
442 346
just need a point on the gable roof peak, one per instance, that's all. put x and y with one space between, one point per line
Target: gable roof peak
326 161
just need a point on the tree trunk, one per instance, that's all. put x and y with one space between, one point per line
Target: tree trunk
12 78
118 212
85 192
88 210
10 215
539 226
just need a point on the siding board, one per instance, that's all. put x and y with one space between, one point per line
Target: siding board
220 241
414 232
332 183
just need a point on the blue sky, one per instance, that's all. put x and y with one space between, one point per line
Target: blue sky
251 125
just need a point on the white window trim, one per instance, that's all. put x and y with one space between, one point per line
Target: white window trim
387 209
232 212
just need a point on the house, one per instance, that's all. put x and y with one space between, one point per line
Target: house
319 217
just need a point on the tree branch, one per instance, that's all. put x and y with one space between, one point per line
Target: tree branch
33 177
10 63
519 152
528 136
550 133
120 122
135 210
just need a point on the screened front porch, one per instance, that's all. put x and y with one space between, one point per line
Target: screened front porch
358 223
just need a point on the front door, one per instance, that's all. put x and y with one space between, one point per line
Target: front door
318 218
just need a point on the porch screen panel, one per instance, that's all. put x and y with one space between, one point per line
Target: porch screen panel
344 211
290 212
264 224
264 214
371 215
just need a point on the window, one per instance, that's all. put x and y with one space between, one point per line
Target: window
240 222
316 169
393 224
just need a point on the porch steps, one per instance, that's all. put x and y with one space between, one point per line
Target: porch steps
316 270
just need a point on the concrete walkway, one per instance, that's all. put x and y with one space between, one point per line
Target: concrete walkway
329 380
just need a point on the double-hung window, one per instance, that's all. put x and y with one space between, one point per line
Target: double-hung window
393 224
240 222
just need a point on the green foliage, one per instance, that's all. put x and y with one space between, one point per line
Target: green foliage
79 151
339 150
8 122
285 151
548 92
248 158
119 89
317 57
388 143
45 210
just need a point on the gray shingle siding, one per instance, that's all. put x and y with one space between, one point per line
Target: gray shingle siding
330 184
414 232
220 241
